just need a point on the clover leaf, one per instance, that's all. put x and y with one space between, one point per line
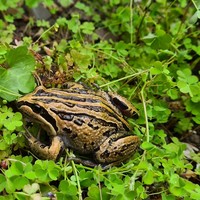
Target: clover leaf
187 83
17 78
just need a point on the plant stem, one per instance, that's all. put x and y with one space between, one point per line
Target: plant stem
131 21
124 78
77 179
145 112
195 5
55 26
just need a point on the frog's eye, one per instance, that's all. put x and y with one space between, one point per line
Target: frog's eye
120 104
123 105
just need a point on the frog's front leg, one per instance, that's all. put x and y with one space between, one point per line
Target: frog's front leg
116 149
43 151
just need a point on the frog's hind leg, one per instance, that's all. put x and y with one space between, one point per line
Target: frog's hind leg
43 151
115 150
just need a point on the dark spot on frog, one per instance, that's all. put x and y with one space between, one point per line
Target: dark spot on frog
74 135
79 91
90 124
49 93
97 149
49 101
93 108
71 105
105 154
74 98
78 122
66 117
108 133
42 146
67 130
92 143
63 115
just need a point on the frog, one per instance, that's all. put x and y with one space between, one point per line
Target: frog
90 122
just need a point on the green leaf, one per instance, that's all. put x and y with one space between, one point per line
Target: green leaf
110 69
196 119
21 65
74 24
158 68
160 108
84 8
31 189
67 188
149 38
43 23
173 93
65 3
28 171
15 169
168 197
114 2
161 42
10 187
193 107
174 180
143 165
195 17
19 57
3 145
32 3
2 182
122 48
184 124
184 87
93 193
20 182
82 60
192 79
147 145
3 50
183 74
148 178
53 174
12 121
187 83
87 27
62 22
117 189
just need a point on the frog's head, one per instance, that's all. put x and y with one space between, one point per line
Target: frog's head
37 111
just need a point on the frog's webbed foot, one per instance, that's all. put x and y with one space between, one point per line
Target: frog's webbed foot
43 151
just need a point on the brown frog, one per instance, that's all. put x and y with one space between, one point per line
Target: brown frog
87 121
